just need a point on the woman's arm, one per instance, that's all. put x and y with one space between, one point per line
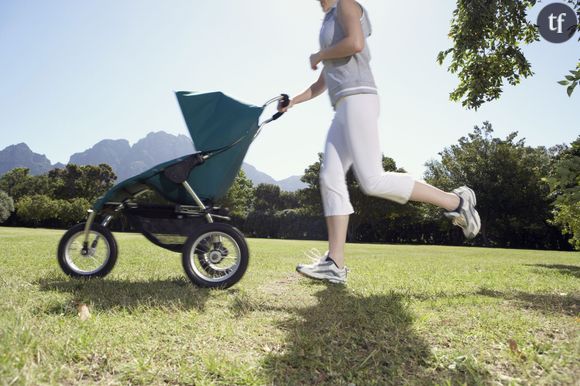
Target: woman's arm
349 14
311 92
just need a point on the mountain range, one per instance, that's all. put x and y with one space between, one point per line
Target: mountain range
128 160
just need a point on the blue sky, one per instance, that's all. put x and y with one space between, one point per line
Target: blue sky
75 72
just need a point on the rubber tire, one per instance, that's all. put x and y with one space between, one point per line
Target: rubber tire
105 233
234 234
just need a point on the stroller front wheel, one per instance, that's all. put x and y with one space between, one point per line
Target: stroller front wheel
215 256
96 259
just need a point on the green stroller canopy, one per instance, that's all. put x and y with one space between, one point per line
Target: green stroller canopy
214 121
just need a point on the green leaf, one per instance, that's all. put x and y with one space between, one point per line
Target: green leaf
570 89
570 77
564 82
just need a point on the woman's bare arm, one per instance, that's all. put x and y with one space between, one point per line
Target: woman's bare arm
311 92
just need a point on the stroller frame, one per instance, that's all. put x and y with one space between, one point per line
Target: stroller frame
208 249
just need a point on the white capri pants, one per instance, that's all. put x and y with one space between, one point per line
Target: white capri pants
353 140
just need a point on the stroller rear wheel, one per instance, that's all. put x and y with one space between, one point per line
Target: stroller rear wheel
216 256
96 259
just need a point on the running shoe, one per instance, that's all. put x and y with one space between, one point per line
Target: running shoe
323 268
466 217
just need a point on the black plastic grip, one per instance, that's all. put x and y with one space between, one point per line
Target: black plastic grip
285 102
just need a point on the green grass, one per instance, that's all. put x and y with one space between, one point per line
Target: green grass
409 315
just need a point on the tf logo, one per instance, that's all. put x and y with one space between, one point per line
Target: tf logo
557 22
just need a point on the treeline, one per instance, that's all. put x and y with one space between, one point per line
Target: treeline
58 199
528 197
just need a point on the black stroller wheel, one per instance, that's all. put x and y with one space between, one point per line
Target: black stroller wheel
96 260
215 256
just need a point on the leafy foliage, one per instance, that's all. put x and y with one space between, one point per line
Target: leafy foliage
40 209
572 80
59 198
487 37
240 196
6 206
564 182
19 183
512 197
268 198
87 181
310 196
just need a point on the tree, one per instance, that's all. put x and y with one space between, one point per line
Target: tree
87 181
6 206
70 212
290 200
487 37
36 209
268 199
564 182
19 183
10 181
309 197
572 80
240 196
512 198
40 209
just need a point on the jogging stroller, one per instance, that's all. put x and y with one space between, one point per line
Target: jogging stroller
214 253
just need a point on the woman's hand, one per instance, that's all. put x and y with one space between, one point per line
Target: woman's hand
284 109
315 59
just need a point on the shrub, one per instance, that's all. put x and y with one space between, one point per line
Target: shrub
6 206
41 209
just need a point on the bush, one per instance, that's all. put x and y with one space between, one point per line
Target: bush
6 206
70 212
35 209
40 209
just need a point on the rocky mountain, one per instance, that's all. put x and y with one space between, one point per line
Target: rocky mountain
256 176
20 156
127 160
291 184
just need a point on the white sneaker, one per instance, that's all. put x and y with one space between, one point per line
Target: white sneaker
322 268
466 217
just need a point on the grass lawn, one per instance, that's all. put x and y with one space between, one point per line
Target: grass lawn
409 315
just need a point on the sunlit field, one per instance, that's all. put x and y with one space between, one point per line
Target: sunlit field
408 315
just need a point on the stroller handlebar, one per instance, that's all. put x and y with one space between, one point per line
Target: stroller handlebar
285 101
284 98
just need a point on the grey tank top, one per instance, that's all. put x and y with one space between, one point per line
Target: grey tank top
350 75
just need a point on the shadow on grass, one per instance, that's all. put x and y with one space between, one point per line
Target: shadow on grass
571 270
351 338
548 303
105 294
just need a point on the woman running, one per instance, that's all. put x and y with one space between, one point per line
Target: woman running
353 139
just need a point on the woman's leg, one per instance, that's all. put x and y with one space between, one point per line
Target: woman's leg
335 199
337 228
423 192
362 138
335 202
